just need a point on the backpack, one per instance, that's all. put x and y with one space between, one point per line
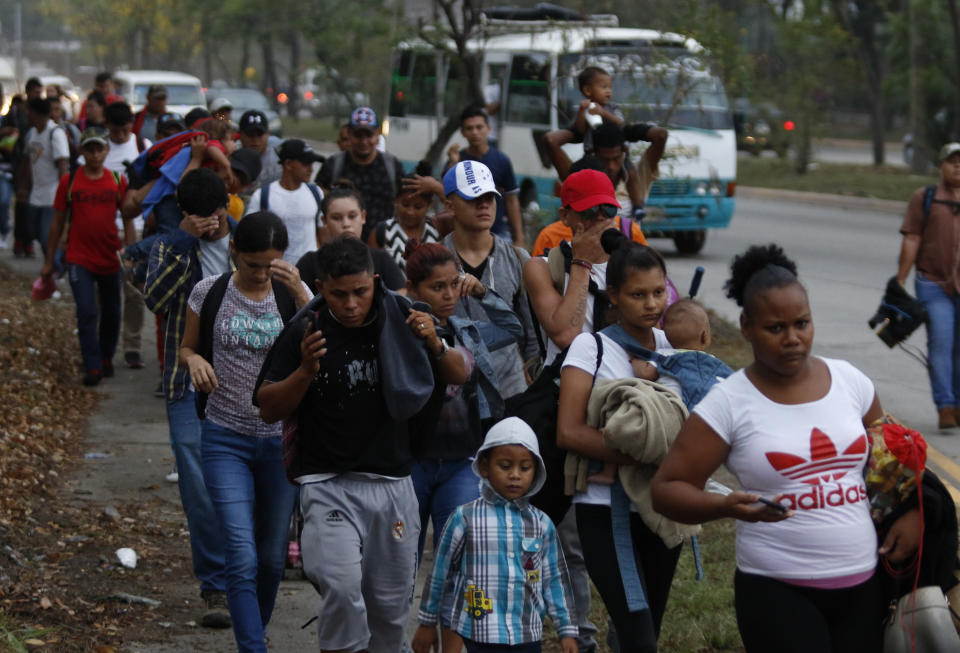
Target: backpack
208 315
338 160
313 188
928 199
537 406
147 165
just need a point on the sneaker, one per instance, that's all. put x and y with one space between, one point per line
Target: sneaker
172 476
158 391
107 368
4 241
217 614
28 251
18 250
92 377
133 360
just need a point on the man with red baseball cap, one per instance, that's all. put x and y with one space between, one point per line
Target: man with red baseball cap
567 290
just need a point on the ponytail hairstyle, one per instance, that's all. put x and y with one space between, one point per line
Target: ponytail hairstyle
625 255
259 232
341 189
760 268
423 258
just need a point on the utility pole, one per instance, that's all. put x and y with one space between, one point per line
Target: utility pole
921 156
18 43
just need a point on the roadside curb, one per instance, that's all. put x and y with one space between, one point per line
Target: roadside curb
823 199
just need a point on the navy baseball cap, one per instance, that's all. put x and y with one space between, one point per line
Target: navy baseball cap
363 118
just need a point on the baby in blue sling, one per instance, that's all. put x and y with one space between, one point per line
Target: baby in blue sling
686 369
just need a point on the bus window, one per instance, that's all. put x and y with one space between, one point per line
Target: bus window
400 83
456 94
423 85
528 90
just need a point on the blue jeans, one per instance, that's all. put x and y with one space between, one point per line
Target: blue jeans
943 341
39 219
6 196
206 537
93 347
253 500
441 486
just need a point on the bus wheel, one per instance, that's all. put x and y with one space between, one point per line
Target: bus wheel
690 242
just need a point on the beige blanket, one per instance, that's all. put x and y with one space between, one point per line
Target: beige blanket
641 419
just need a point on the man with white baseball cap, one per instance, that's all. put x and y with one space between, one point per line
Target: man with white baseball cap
471 194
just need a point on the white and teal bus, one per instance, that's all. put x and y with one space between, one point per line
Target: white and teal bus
659 77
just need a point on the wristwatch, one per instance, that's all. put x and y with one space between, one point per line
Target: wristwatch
444 348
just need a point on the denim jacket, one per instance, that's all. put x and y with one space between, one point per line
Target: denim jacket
478 338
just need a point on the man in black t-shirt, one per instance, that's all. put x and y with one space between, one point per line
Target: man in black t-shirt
376 175
350 456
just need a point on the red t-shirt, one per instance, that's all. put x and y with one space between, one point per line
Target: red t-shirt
93 241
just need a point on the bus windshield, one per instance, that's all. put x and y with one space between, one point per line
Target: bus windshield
673 94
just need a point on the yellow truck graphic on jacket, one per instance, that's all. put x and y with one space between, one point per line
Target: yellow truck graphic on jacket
476 604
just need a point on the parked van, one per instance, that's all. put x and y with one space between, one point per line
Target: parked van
184 92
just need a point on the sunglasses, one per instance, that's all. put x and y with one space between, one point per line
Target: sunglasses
596 212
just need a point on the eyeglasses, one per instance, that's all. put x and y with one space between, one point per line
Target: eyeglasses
595 212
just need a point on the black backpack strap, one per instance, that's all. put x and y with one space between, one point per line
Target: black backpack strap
285 301
928 193
265 197
315 191
208 315
381 231
596 336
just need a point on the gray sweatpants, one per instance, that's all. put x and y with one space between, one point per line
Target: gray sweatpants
359 547
579 580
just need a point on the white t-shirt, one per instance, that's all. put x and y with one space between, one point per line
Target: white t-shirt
598 273
44 149
614 364
814 454
299 211
120 152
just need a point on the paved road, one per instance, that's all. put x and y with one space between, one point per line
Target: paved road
845 256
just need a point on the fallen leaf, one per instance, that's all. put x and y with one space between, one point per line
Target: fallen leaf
45 603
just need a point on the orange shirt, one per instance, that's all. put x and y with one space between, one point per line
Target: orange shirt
556 232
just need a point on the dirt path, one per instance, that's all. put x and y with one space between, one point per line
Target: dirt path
131 427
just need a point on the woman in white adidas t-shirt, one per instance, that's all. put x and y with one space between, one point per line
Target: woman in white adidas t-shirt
636 285
792 428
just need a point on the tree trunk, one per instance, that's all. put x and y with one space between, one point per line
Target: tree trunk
269 80
436 150
921 157
205 45
294 101
955 24
245 54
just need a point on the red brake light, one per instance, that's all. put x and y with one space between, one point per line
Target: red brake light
789 125
282 98
308 95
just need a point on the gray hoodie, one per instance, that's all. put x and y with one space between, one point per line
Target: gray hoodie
514 430
504 275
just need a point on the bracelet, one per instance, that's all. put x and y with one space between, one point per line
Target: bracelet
582 263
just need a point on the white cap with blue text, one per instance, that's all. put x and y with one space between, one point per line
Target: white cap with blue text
470 180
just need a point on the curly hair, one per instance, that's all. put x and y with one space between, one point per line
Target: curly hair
759 268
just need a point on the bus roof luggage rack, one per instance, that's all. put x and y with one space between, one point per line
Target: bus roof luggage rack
499 20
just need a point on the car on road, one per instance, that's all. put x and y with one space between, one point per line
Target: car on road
244 99
761 127
184 92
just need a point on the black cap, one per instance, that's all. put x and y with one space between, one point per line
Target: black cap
294 148
254 120
170 120
247 162
195 114
157 90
